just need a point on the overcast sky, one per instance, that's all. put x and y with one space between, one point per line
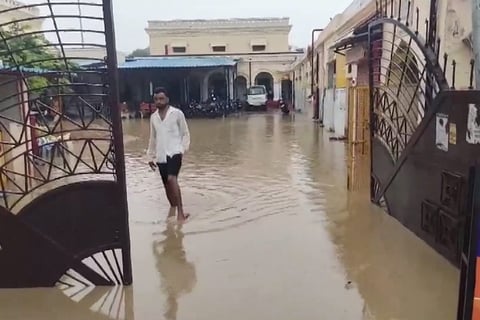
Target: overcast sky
131 16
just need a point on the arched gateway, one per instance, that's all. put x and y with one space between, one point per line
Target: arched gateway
63 213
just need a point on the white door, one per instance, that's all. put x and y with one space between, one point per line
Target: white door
328 109
340 113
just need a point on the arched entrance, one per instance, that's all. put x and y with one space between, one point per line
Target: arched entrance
217 83
265 79
241 88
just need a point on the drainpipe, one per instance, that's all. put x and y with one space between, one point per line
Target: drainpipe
476 39
294 84
317 92
312 53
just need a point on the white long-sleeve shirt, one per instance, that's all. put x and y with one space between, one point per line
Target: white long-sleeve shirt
169 136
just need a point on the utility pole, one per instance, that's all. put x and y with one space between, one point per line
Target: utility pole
476 39
82 36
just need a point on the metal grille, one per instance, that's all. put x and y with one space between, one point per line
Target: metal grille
62 171
54 110
405 74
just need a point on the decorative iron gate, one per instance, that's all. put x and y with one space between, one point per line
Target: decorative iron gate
420 153
64 218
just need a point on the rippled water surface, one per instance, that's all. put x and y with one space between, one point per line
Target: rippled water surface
273 235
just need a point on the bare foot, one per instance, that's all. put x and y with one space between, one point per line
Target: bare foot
172 213
182 218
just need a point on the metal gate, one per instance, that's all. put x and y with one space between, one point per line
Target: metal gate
64 217
420 127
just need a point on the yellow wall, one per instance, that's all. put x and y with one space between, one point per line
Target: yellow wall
341 76
235 43
237 35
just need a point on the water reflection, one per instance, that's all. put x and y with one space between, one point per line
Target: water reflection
277 186
101 303
274 235
177 274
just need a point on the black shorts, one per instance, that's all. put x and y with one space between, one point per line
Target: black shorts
171 168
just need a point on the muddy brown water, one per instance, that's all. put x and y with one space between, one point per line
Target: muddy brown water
274 235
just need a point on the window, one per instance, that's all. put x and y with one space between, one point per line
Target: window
219 49
349 68
257 47
179 49
256 90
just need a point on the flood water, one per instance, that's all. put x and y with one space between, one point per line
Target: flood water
273 235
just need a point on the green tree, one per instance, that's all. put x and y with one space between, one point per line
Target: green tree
140 53
31 51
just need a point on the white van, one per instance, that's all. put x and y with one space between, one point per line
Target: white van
257 97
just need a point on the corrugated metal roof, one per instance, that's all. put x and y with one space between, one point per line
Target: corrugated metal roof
176 62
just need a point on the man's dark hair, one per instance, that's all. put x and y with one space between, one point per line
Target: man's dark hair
160 90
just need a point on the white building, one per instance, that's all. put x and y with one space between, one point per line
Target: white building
88 55
258 45
220 35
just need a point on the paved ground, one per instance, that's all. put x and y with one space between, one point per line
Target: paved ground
273 235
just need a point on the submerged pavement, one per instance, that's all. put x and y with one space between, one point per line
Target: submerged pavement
274 235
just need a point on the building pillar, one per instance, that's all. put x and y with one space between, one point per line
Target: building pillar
476 39
231 87
277 90
204 88
250 82
186 95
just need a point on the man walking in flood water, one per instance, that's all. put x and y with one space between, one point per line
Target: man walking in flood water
169 140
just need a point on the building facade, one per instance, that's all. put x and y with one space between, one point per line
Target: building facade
382 66
89 54
268 35
259 46
453 32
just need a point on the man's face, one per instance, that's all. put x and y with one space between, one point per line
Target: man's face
160 100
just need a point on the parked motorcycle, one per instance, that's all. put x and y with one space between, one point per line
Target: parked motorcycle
284 108
213 108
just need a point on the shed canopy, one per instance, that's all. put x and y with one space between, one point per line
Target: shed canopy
177 62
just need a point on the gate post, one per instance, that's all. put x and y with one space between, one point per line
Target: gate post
470 257
476 39
112 67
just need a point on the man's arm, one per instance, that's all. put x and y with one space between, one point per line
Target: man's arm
152 142
184 132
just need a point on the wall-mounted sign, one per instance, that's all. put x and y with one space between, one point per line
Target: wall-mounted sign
473 125
453 133
441 133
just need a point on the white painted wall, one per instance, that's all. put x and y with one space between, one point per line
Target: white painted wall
329 107
340 112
